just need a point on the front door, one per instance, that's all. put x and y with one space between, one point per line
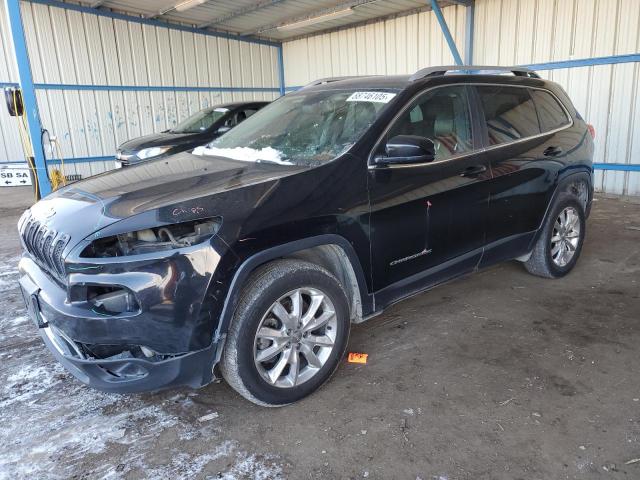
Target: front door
428 219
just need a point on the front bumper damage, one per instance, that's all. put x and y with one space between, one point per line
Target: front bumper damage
169 322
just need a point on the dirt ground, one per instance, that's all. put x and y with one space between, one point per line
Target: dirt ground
498 375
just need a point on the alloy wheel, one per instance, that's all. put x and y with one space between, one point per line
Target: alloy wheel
565 236
295 337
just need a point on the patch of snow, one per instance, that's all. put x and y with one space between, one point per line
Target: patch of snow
244 154
208 417
28 383
54 427
251 466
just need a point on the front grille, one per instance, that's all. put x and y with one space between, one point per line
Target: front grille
45 246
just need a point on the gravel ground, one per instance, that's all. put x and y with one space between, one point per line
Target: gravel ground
498 375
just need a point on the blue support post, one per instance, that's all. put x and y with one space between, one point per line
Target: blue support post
28 93
445 30
469 27
281 70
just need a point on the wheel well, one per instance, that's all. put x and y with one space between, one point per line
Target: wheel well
580 189
335 260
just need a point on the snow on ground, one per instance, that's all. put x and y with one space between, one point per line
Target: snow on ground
51 426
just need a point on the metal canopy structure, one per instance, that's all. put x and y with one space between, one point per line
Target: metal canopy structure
270 19
264 22
251 31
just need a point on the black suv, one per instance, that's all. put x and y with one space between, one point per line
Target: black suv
252 256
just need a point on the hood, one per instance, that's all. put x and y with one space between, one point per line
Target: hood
177 188
164 139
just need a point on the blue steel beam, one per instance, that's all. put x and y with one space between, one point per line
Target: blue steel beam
586 62
281 70
445 31
149 88
468 35
28 93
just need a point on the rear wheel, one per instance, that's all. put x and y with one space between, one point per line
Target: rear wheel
289 332
558 248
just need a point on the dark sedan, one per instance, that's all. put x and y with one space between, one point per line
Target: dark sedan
199 129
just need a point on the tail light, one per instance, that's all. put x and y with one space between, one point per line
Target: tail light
592 130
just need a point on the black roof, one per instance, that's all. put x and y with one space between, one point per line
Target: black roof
400 82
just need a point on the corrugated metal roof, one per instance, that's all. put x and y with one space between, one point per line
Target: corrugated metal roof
262 17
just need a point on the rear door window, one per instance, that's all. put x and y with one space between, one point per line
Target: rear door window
552 115
509 112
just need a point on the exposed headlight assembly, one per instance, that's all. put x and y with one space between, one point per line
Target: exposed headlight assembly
167 237
151 152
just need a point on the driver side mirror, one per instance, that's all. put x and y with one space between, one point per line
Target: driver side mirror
223 129
407 149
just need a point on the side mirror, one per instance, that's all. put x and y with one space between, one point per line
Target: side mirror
408 149
223 129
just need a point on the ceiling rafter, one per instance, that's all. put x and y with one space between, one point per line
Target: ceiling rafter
177 6
318 13
240 12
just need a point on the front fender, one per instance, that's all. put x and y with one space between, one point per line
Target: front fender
252 262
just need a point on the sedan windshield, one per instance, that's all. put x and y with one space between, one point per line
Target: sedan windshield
201 121
303 128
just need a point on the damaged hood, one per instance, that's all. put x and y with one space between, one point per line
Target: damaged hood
178 188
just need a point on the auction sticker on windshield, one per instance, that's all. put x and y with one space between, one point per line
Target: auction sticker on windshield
379 97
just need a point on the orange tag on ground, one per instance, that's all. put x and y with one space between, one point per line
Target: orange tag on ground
357 357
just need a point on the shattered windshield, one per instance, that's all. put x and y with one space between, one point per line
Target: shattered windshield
201 121
303 128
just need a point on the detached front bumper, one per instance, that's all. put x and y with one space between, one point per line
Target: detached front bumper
130 375
170 293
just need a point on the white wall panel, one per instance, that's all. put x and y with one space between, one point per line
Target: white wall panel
76 48
10 145
394 46
575 29
508 32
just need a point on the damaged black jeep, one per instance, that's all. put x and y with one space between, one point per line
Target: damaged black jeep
250 257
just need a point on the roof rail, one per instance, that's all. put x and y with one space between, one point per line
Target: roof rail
478 69
322 81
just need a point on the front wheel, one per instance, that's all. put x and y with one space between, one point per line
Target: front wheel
289 332
560 243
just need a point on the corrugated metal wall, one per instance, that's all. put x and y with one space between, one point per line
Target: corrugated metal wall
509 32
10 148
70 51
537 31
397 45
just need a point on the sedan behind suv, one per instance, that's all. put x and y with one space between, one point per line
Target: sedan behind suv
199 129
252 257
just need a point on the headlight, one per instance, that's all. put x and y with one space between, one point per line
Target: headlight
168 237
151 152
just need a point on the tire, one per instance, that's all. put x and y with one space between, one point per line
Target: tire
277 283
546 260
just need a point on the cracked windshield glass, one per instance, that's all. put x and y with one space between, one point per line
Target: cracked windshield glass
303 128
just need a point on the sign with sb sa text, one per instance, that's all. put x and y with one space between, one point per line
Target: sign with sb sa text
15 175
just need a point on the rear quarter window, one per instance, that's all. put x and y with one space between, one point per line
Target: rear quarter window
509 112
552 115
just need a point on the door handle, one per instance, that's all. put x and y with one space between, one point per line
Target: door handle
552 151
473 171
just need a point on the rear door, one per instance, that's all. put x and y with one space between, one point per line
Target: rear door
428 219
521 157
